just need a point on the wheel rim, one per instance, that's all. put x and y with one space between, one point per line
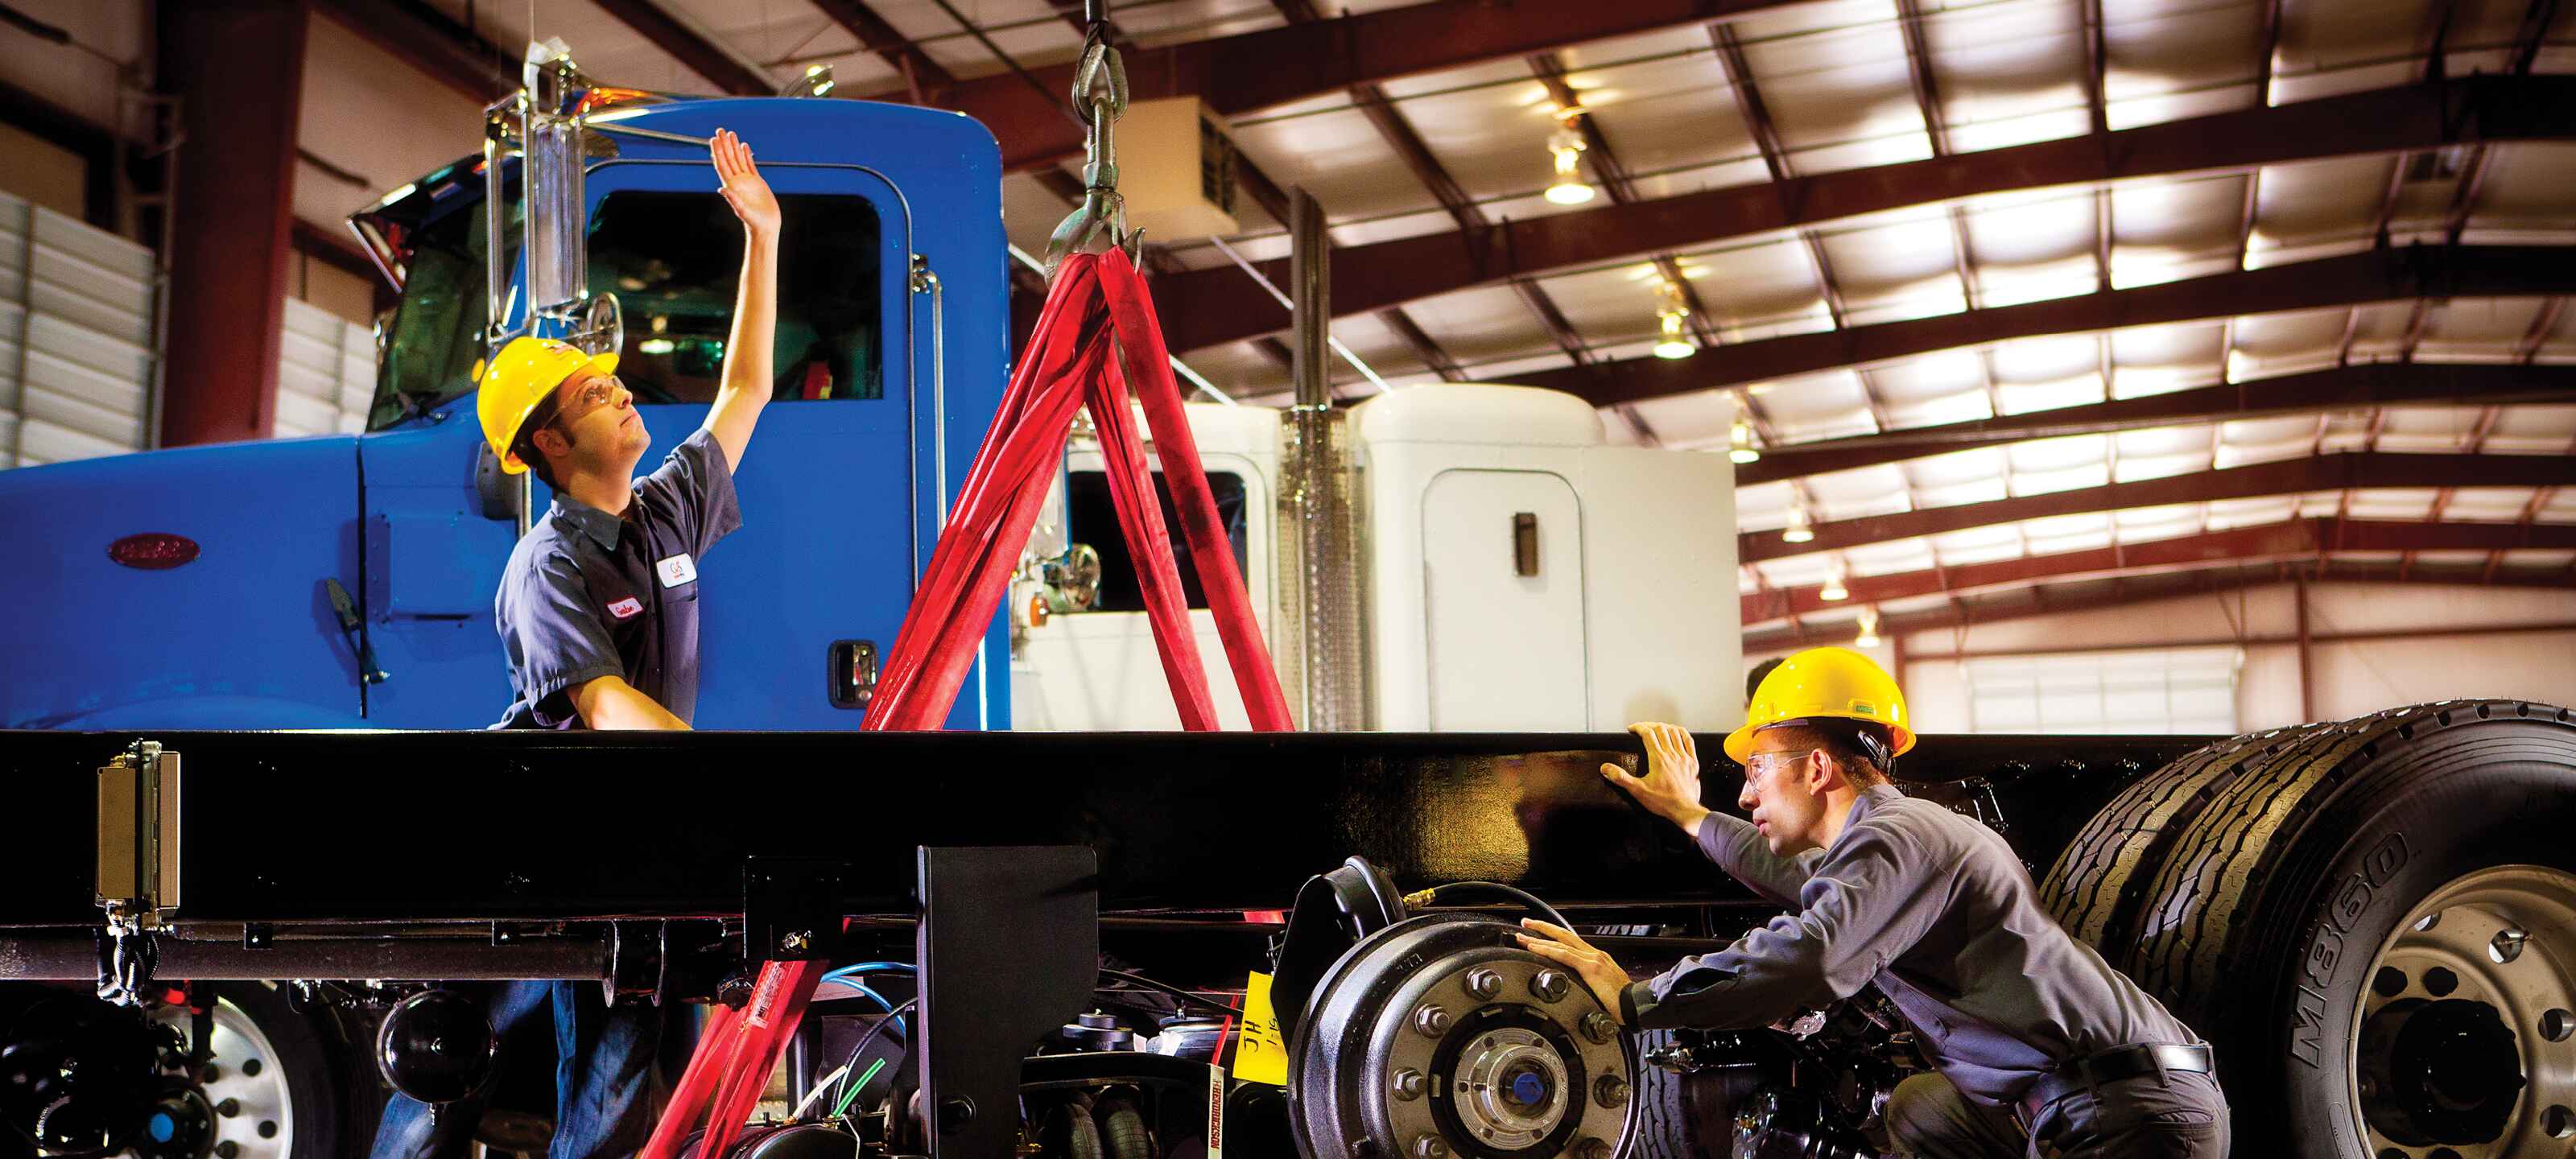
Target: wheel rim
247 1080
2464 1037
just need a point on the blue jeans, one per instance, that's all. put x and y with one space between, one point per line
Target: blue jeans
607 1091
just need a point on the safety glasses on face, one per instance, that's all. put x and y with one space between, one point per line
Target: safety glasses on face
1761 763
598 391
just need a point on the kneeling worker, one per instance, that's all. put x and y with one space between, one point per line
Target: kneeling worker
2035 1039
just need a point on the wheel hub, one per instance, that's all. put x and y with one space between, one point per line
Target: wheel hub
2465 1044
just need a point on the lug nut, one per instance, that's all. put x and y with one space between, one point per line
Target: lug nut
1599 1028
1484 983
1551 986
1431 1020
1610 1091
1429 1147
1407 1085
1592 1149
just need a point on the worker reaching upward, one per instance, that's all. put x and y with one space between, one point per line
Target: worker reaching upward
598 608
598 615
2035 1039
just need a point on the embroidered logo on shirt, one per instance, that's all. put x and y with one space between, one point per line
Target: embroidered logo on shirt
626 609
677 570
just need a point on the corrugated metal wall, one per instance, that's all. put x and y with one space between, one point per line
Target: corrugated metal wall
326 374
76 341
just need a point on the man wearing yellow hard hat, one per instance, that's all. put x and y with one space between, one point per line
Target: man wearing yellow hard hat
2034 1038
598 608
598 615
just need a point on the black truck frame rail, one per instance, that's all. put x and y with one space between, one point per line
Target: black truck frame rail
520 854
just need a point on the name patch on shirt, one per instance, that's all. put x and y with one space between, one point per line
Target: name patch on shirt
627 609
676 570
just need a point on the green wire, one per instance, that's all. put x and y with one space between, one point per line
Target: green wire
851 1095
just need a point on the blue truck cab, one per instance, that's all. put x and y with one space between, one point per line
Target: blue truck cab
205 587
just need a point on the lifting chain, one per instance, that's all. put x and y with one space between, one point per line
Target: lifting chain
1099 99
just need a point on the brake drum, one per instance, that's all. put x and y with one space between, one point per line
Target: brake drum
1439 1036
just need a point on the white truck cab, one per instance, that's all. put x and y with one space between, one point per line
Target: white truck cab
1515 573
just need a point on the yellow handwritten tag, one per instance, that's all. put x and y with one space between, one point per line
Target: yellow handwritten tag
1261 1056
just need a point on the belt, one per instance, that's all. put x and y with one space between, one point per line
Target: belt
2111 1066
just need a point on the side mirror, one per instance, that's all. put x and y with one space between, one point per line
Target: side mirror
501 493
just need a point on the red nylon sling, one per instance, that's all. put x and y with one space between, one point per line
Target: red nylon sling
1068 365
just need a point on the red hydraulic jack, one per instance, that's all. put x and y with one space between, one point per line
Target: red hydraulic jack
1096 335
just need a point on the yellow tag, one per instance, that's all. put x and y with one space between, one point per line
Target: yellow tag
1261 1056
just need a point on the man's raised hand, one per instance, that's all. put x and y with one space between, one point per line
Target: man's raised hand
1670 788
743 187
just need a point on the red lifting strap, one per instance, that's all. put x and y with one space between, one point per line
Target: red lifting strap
1097 306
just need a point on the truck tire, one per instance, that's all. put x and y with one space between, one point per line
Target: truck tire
282 1069
2374 921
1682 1116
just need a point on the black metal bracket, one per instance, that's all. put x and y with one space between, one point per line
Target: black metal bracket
791 908
1009 950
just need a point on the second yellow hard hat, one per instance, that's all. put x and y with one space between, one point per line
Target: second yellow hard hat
1825 683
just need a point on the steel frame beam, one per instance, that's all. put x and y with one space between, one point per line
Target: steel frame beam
926 79
2337 472
695 52
2416 272
2340 388
1203 310
425 38
1969 612
238 70
1274 66
2298 538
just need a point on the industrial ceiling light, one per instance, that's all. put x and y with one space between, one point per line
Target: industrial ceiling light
1868 628
1834 589
1566 146
1672 311
817 82
1739 443
1799 530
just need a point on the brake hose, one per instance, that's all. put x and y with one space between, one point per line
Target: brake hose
1528 900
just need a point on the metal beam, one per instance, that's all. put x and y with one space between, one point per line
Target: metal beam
238 70
2097 595
423 37
2352 387
2298 538
2337 472
929 80
1207 310
696 52
2374 276
1274 66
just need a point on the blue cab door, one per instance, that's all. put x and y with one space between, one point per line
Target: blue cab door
839 488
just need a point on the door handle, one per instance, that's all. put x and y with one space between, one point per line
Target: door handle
852 670
346 611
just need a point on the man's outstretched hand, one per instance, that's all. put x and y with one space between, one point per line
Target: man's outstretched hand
743 188
1563 947
1670 788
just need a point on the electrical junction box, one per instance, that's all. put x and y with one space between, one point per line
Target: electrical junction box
1176 168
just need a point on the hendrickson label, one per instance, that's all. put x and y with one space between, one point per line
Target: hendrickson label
2325 947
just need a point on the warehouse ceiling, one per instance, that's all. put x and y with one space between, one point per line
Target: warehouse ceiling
2025 303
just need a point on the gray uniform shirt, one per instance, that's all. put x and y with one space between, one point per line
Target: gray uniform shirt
1935 910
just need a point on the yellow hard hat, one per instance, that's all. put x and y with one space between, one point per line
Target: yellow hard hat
526 373
1825 683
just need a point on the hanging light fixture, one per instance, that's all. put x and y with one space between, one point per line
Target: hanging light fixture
1672 314
1739 443
1868 628
1566 146
1799 530
1834 589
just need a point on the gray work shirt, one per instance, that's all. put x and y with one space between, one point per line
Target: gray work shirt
589 594
1935 910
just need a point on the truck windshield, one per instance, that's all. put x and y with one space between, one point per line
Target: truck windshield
674 260
438 330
